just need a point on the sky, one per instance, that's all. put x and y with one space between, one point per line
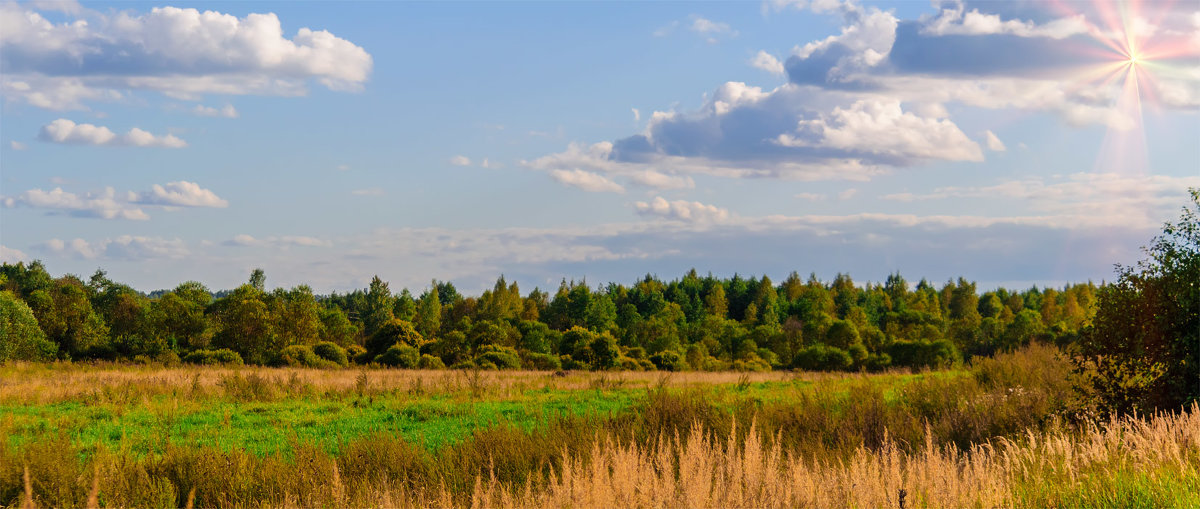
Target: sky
1011 143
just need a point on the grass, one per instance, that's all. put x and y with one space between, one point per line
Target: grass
999 433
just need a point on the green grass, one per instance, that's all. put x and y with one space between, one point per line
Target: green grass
270 427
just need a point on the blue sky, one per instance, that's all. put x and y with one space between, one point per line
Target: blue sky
1012 143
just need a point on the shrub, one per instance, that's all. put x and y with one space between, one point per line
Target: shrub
399 356
358 354
221 357
331 352
430 362
500 357
301 356
924 354
542 361
822 358
392 332
667 361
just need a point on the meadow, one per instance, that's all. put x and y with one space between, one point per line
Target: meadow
998 433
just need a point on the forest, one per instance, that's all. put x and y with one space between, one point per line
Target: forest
695 322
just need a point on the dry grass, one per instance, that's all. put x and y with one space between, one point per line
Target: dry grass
30 383
700 471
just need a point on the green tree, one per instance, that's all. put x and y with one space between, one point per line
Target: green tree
378 306
429 312
1142 352
20 337
244 325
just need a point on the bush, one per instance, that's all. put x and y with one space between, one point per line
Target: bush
221 357
500 357
667 361
878 362
392 332
331 352
358 354
822 358
924 354
542 361
301 356
430 362
399 356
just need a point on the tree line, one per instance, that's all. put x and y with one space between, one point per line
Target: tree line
691 323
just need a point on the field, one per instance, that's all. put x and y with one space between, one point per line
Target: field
995 434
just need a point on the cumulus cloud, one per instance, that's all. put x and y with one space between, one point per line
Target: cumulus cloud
125 247
767 62
103 205
884 129
227 111
460 161
182 52
658 180
16 145
277 242
10 255
682 210
180 194
993 142
586 180
109 204
68 132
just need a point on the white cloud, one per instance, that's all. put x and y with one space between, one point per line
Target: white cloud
125 247
993 142
109 204
184 53
637 115
712 31
180 194
658 180
16 145
227 111
810 196
68 132
1079 199
682 210
586 180
343 167
883 128
103 205
847 194
460 161
54 93
277 242
10 255
370 191
954 21
767 62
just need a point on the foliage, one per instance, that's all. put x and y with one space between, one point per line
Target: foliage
301 356
497 357
223 356
332 353
399 356
1142 351
20 337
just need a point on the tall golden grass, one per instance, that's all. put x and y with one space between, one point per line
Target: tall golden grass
701 471
1127 462
33 383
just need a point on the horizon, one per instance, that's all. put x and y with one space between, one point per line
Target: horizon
1011 144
